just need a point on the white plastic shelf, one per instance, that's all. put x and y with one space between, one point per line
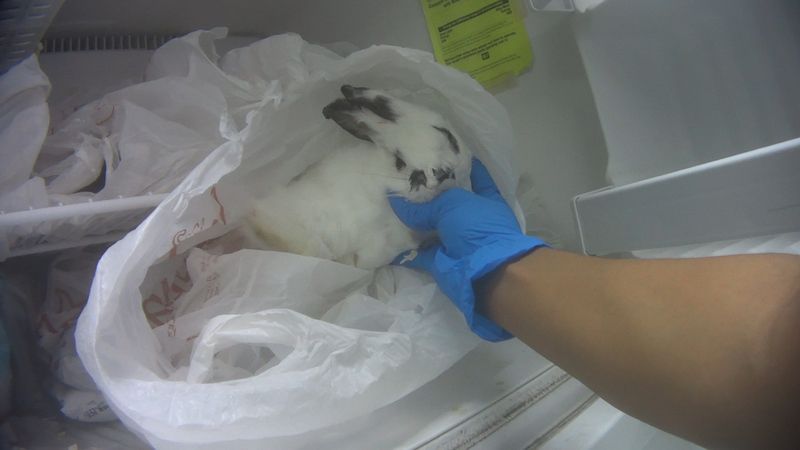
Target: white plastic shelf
756 193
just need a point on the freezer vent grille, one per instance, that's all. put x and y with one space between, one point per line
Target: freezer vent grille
105 42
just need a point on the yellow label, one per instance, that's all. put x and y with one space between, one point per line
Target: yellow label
485 38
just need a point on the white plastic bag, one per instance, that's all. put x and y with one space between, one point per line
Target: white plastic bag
144 139
24 120
237 349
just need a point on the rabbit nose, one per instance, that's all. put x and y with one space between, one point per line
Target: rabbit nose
418 179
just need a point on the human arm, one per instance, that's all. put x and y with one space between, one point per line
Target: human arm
708 348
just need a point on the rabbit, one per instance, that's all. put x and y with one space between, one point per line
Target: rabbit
338 209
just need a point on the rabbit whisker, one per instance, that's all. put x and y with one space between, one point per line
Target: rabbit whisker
380 175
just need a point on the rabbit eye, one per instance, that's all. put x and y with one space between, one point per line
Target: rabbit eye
399 163
443 174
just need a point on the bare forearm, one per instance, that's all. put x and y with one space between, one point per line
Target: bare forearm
705 348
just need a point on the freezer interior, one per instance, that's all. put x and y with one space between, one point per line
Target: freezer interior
621 93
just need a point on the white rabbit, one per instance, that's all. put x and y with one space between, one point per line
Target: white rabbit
337 209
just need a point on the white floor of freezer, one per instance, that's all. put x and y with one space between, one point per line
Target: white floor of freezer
559 146
603 427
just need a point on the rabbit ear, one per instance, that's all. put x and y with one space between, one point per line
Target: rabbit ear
361 111
371 100
350 117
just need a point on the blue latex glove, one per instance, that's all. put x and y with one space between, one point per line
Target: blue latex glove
478 233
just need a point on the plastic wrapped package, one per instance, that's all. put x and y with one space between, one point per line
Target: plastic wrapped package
196 343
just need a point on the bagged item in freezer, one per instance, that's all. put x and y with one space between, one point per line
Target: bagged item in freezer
68 281
135 141
85 406
21 295
24 122
24 119
196 343
148 136
34 420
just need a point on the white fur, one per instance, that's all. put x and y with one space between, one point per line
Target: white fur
337 209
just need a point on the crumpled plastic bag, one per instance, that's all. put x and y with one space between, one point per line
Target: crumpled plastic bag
195 342
24 119
139 140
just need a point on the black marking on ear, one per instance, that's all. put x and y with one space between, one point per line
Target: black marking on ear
338 105
399 164
350 91
379 105
450 138
341 111
418 179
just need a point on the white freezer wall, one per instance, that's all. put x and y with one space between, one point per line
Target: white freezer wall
683 82
559 143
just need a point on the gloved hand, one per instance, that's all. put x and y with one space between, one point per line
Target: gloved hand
478 233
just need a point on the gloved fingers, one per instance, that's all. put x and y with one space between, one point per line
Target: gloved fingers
420 259
417 216
482 182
